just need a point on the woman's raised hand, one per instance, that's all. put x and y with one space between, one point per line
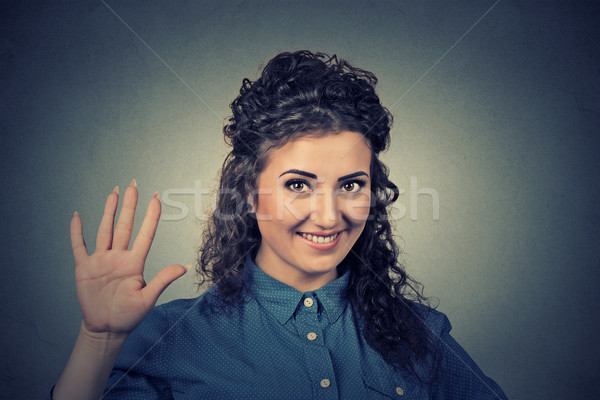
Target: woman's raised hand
113 296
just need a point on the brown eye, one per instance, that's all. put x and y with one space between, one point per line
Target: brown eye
351 187
298 186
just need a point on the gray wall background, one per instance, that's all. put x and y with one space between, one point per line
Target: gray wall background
499 115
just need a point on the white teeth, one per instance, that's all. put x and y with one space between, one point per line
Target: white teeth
320 239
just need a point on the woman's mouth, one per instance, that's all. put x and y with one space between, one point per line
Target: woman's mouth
320 242
319 239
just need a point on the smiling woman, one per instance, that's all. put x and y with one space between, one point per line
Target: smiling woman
309 221
308 298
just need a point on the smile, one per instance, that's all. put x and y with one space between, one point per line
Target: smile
319 239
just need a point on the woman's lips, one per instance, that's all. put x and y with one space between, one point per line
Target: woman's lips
320 242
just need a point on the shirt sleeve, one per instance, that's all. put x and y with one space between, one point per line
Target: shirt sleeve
461 378
139 372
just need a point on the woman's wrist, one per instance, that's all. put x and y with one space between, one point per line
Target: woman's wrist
89 366
102 341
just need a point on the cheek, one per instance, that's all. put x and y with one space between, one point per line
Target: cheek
283 207
358 207
264 204
296 207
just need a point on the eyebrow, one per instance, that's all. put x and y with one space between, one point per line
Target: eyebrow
299 172
354 175
313 176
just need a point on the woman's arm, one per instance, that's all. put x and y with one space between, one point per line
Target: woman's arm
89 366
112 293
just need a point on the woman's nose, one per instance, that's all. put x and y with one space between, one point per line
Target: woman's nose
325 211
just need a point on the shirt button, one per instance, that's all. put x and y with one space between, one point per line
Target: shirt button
399 391
308 302
311 336
325 383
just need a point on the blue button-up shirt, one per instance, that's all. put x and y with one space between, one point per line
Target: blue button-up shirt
281 344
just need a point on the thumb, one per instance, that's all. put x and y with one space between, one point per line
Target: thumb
163 279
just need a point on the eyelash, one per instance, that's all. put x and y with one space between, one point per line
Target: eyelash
289 184
360 182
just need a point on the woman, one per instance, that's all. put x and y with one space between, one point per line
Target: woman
308 299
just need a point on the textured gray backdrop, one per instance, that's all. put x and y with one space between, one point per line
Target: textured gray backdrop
496 111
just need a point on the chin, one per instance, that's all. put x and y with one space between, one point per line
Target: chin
322 267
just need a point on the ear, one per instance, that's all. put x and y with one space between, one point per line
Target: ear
250 201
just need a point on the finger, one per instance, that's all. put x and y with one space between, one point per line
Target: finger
163 279
105 230
143 241
125 222
77 243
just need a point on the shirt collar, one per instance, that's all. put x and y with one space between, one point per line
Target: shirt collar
281 300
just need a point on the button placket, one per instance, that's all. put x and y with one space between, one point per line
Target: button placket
318 360
308 323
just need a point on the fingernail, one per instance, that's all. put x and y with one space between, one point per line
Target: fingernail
188 267
75 214
133 183
155 195
116 189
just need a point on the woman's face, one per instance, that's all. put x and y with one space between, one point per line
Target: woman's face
313 201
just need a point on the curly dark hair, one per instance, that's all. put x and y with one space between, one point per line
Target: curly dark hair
300 93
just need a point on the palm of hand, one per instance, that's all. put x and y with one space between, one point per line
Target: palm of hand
112 293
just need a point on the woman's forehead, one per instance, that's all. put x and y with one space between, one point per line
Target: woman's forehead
346 149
